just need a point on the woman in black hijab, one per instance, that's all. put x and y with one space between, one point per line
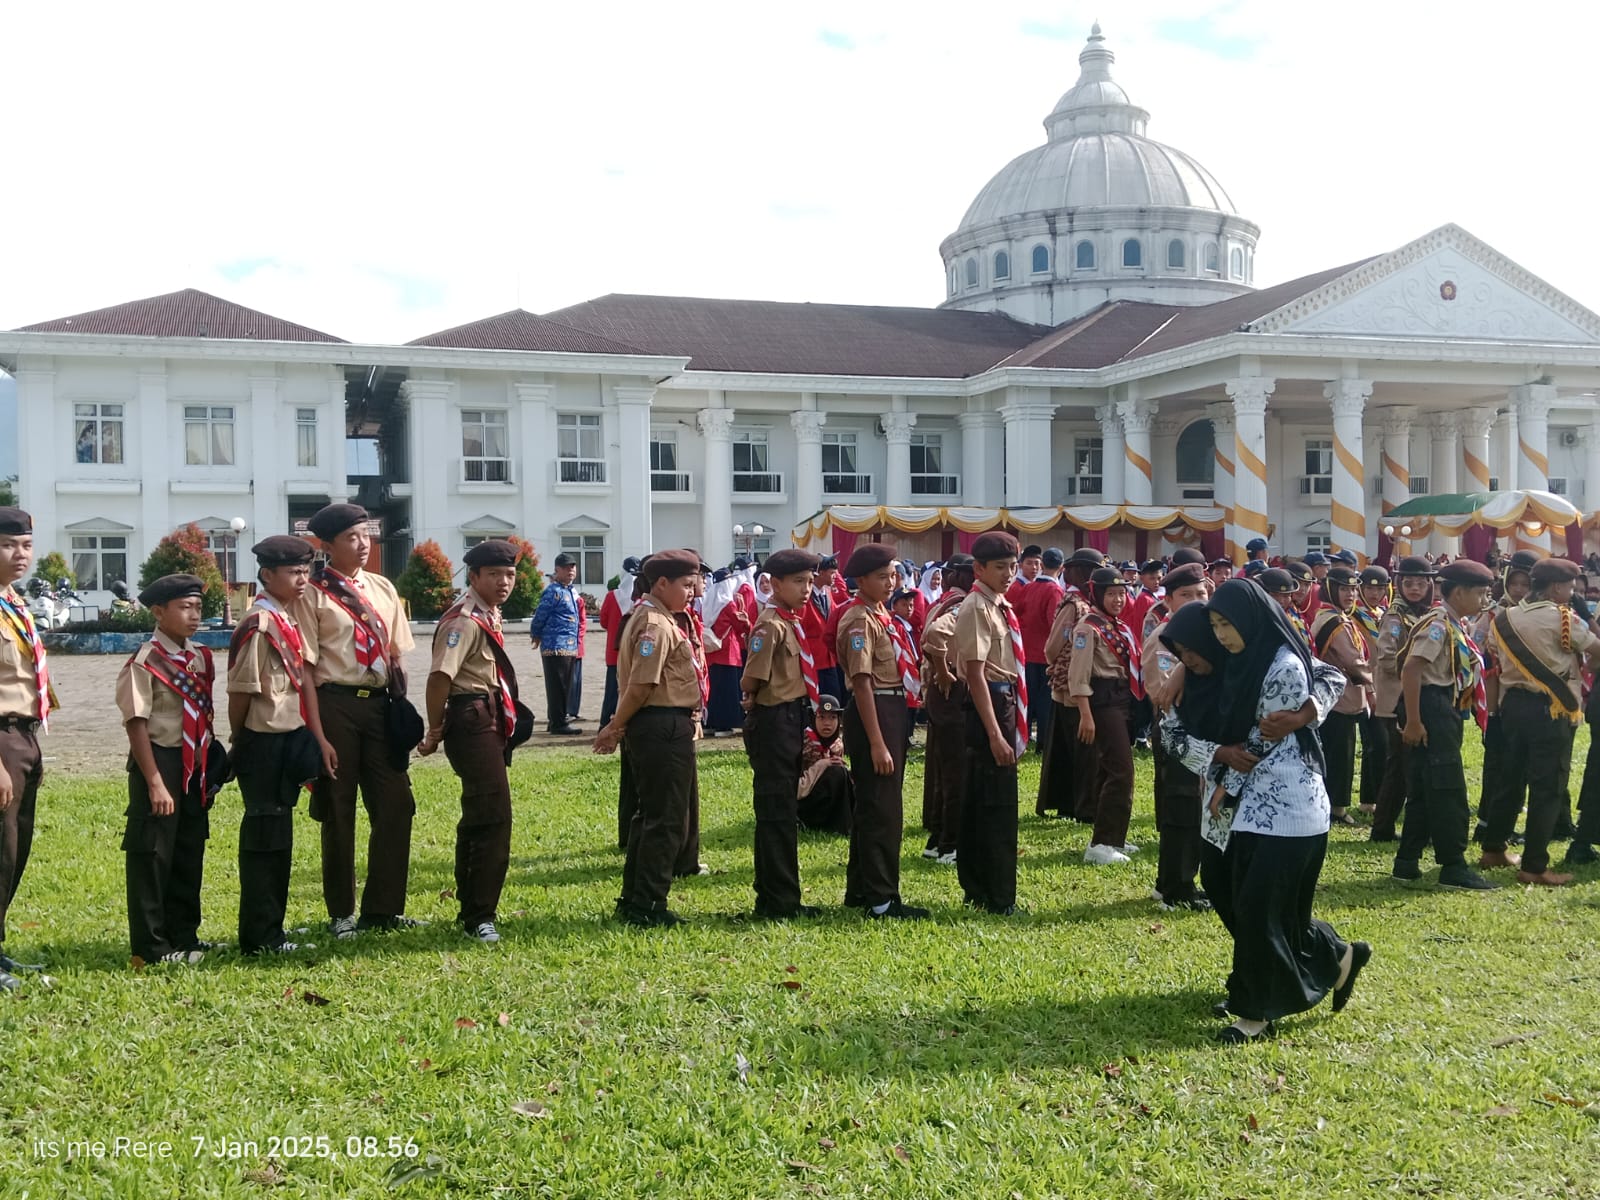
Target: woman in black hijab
1284 960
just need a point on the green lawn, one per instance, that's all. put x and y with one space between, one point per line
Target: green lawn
1067 1053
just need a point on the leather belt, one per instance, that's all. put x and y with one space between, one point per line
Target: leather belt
894 691
360 693
24 724
668 709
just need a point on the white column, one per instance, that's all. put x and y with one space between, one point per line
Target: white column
897 428
635 532
272 441
40 458
1589 439
156 436
1164 433
536 438
982 459
1532 403
1474 425
1348 516
1028 413
1138 476
1222 432
807 424
716 491
1443 429
1113 456
1505 449
1250 395
330 438
1396 425
436 461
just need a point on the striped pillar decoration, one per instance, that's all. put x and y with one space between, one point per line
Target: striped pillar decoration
1249 395
1474 425
1532 403
1348 518
1396 455
1222 432
1443 429
1138 484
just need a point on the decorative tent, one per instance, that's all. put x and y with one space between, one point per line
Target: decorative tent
1475 516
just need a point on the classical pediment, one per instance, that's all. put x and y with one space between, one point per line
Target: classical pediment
1447 284
488 524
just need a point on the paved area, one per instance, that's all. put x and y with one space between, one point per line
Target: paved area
86 735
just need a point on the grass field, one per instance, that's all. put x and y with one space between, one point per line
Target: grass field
1066 1053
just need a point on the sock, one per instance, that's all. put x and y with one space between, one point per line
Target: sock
881 909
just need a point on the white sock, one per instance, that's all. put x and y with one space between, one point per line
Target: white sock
1249 1028
879 910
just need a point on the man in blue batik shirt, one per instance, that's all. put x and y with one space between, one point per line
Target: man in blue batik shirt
555 632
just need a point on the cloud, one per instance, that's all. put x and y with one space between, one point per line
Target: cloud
1204 33
242 268
835 40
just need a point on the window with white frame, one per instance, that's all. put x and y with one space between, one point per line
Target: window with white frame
305 437
927 467
1084 256
1132 253
664 473
1041 259
1196 455
590 551
972 272
1236 263
1175 255
224 547
1320 542
580 453
99 560
752 463
1318 477
208 435
839 475
485 446
1002 265
1213 259
1088 467
99 432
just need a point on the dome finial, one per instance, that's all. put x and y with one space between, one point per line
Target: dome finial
1094 30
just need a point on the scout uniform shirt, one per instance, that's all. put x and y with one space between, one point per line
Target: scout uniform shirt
1543 627
1431 643
258 672
1058 646
774 661
1091 659
19 680
329 632
983 634
463 651
1157 663
657 653
866 648
141 694
938 636
1346 649
1392 632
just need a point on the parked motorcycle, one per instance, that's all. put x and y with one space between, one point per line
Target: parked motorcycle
122 600
51 605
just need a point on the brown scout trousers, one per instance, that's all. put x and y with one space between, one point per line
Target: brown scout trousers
19 751
1113 762
660 741
358 729
475 744
946 764
872 876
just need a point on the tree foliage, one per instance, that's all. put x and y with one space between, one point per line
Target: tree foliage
184 552
427 583
52 568
529 586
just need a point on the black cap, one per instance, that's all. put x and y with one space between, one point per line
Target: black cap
827 704
1220 564
1187 575
631 565
283 550
1414 565
1028 551
869 557
331 520
1152 566
1107 577
959 562
1277 581
172 587
1087 556
492 553
1523 560
565 560
1372 576
743 563
14 522
1052 558
1187 554
997 544
789 562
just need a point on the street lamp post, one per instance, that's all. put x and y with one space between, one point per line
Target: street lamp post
235 528
750 535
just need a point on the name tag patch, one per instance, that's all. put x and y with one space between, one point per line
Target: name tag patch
756 643
647 647
453 638
858 641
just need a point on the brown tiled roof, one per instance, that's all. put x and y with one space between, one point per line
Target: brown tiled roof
523 330
1098 338
188 313
806 339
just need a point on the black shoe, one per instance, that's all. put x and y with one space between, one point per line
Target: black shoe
1463 878
647 918
1007 910
1514 840
1579 854
389 924
1407 870
773 914
565 731
1232 1035
1360 955
1563 832
899 912
11 966
1479 832
1382 835
1220 1011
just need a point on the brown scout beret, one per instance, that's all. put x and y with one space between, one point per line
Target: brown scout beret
996 544
331 520
671 564
869 557
790 562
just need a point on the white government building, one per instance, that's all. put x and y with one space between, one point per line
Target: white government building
1101 368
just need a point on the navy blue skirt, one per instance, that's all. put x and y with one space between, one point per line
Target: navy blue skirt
723 711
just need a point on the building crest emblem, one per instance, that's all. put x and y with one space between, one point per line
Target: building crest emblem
1447 290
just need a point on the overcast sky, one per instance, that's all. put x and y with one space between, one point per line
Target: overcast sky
382 171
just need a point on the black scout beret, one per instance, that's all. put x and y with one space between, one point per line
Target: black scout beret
492 553
283 550
333 519
789 562
14 522
1188 575
172 587
1463 572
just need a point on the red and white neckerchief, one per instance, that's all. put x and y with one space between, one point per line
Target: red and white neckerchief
905 658
1119 640
808 665
19 616
1480 693
194 690
491 628
291 638
697 652
370 644
1020 741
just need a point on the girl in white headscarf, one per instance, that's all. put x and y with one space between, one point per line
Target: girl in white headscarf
932 584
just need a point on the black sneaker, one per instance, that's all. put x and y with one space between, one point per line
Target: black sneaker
11 966
1463 878
1382 835
389 924
772 914
9 982
1408 870
1579 854
647 918
899 912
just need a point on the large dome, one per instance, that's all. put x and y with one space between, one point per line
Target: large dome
1100 211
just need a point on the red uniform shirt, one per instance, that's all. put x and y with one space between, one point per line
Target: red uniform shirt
611 622
1036 611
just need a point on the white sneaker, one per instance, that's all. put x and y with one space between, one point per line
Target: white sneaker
1103 856
947 860
184 958
1155 894
485 933
1130 849
344 928
930 852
